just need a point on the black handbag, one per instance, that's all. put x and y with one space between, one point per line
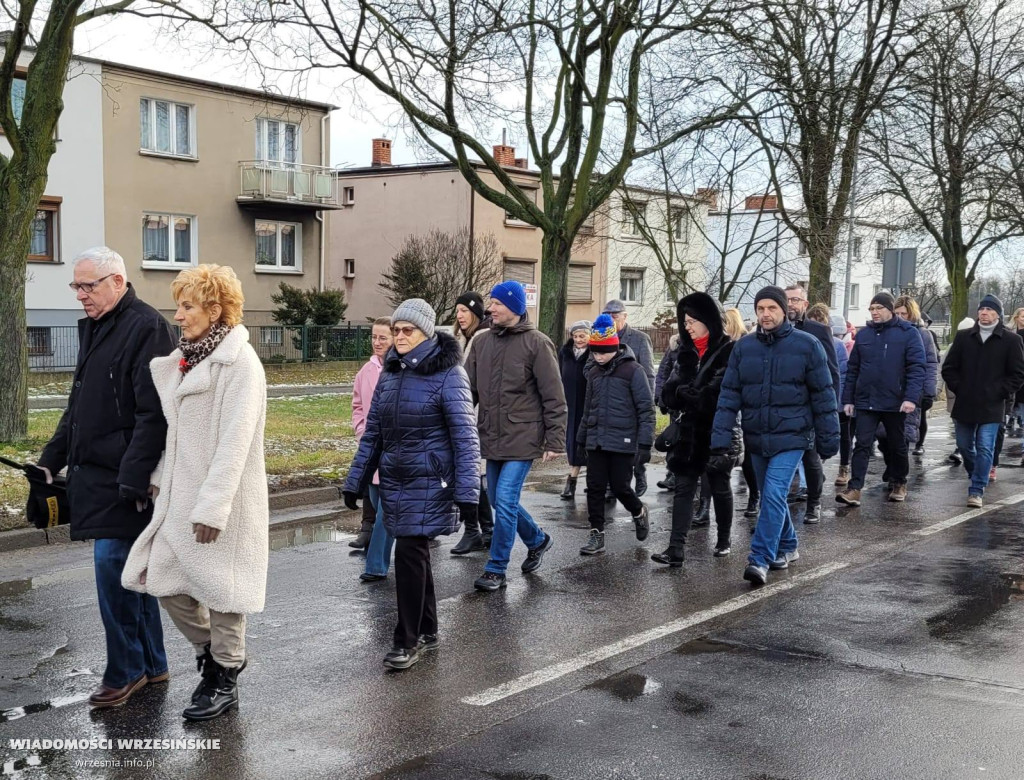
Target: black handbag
47 502
669 437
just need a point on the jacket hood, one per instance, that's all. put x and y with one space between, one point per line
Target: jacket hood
520 327
437 354
625 353
708 311
673 343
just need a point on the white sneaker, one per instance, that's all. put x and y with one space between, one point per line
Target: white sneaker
974 501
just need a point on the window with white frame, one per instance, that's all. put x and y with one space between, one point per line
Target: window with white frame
278 246
167 128
631 285
634 217
857 242
879 249
278 144
680 225
854 296
168 240
348 196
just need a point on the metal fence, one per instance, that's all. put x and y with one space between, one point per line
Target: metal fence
52 348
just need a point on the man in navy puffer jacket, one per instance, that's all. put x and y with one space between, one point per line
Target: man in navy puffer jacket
884 383
780 381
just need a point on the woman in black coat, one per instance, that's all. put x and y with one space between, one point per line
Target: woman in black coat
692 392
572 360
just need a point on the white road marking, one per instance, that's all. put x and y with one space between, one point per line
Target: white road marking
554 672
965 516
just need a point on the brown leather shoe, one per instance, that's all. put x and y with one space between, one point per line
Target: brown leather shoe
849 497
105 696
160 678
899 492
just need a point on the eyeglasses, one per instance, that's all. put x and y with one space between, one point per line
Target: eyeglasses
688 323
795 300
88 286
406 331
875 308
380 338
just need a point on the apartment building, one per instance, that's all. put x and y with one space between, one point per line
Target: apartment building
171 172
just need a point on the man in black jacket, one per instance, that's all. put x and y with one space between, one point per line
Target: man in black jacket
111 438
797 304
983 368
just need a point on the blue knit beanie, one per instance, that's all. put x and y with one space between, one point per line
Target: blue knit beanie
512 294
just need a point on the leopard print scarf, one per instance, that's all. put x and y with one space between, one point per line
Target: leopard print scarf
194 352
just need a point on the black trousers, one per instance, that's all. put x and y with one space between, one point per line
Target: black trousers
369 514
484 520
614 469
414 582
815 474
750 477
846 439
922 429
895 453
682 506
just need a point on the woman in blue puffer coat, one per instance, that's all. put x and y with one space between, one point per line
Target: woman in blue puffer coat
421 437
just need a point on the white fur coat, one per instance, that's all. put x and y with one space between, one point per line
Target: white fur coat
213 473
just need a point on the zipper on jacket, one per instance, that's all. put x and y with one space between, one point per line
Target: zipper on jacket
117 401
398 398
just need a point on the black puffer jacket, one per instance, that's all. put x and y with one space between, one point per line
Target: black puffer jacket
113 431
692 389
618 413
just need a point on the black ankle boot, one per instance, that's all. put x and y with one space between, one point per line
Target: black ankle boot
362 540
219 693
673 557
471 540
203 663
570 489
703 517
753 507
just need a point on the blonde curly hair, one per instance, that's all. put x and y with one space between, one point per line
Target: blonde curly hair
207 285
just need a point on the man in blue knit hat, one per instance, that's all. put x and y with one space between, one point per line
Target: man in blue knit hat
517 385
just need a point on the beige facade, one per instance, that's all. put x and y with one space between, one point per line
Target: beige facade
193 171
384 205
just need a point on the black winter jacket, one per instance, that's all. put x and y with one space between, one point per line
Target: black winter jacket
574 382
823 334
983 376
113 431
694 384
618 414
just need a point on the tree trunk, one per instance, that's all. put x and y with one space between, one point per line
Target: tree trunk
554 268
960 287
17 209
820 273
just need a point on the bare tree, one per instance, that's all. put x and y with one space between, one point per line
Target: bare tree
825 68
951 141
440 266
566 76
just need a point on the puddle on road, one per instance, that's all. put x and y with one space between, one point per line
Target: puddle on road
686 704
16 587
298 535
627 687
983 598
702 645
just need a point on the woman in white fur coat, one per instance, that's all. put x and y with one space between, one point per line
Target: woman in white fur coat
205 552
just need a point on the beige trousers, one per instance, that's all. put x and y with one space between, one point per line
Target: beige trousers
224 632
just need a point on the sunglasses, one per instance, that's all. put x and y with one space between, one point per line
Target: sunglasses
406 331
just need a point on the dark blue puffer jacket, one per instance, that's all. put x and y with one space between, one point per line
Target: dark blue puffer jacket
421 436
618 412
781 383
887 367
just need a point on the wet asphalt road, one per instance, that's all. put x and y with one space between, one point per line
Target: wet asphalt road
891 650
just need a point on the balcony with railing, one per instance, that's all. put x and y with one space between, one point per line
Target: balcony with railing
287 185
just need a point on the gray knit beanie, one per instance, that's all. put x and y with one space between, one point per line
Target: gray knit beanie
419 313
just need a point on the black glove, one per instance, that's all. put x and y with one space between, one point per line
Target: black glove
130 495
581 453
663 410
467 511
926 403
351 499
687 394
643 455
720 461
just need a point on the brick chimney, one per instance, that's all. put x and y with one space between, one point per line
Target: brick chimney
710 195
762 203
381 153
505 155
521 162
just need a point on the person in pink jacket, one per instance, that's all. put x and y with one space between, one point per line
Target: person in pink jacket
362 393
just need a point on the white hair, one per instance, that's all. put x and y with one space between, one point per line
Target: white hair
106 259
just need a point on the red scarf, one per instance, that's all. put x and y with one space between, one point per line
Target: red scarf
702 345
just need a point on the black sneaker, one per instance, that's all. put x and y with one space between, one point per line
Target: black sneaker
428 642
595 544
799 494
669 483
753 507
721 552
813 514
671 557
490 581
642 522
954 458
536 555
919 450
402 658
784 559
641 484
755 575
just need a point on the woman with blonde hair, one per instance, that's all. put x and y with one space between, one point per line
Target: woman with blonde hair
204 554
734 324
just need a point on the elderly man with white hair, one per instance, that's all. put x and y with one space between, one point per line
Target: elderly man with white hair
111 439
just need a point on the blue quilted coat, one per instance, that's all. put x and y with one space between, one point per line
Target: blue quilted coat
421 436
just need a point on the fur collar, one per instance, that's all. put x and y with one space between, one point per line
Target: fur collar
432 356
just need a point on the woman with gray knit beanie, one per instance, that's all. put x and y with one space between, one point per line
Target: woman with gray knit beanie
421 437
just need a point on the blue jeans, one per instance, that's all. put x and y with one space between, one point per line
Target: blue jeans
774 533
977 444
505 480
131 621
378 554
